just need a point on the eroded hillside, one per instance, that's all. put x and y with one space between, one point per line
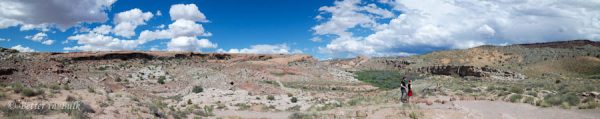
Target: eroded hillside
131 84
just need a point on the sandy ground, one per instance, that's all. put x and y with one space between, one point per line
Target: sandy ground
505 110
453 110
253 114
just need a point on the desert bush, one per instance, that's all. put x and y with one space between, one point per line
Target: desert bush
572 99
414 115
243 106
529 100
208 110
515 98
66 87
31 92
118 79
17 87
197 89
55 87
558 99
270 97
14 113
543 103
532 93
294 108
2 95
355 101
589 105
102 68
161 80
270 82
294 99
565 105
91 89
180 114
380 78
80 111
516 89
299 115
503 93
70 99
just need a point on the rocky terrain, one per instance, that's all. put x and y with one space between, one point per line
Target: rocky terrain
556 77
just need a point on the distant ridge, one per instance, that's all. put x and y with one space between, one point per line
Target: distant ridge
561 44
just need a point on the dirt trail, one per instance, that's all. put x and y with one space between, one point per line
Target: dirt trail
253 114
505 110
453 110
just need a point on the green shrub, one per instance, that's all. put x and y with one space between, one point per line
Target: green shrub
91 89
66 87
208 111
553 99
80 111
468 90
299 115
414 115
70 99
565 105
515 98
270 97
529 100
570 98
381 78
102 68
161 80
55 87
532 93
18 87
31 92
243 106
197 89
14 113
294 99
589 105
503 93
543 103
118 79
516 89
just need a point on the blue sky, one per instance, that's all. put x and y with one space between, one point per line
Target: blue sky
233 23
323 28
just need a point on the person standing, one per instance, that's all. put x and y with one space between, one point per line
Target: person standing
410 93
403 90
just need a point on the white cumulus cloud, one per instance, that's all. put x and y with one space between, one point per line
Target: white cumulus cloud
41 37
97 42
44 13
187 11
179 28
427 25
263 49
127 21
189 44
22 48
183 32
103 29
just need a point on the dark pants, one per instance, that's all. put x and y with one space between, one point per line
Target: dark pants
404 96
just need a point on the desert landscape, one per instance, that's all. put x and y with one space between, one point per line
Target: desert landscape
542 80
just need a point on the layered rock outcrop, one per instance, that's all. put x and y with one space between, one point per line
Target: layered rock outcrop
471 71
